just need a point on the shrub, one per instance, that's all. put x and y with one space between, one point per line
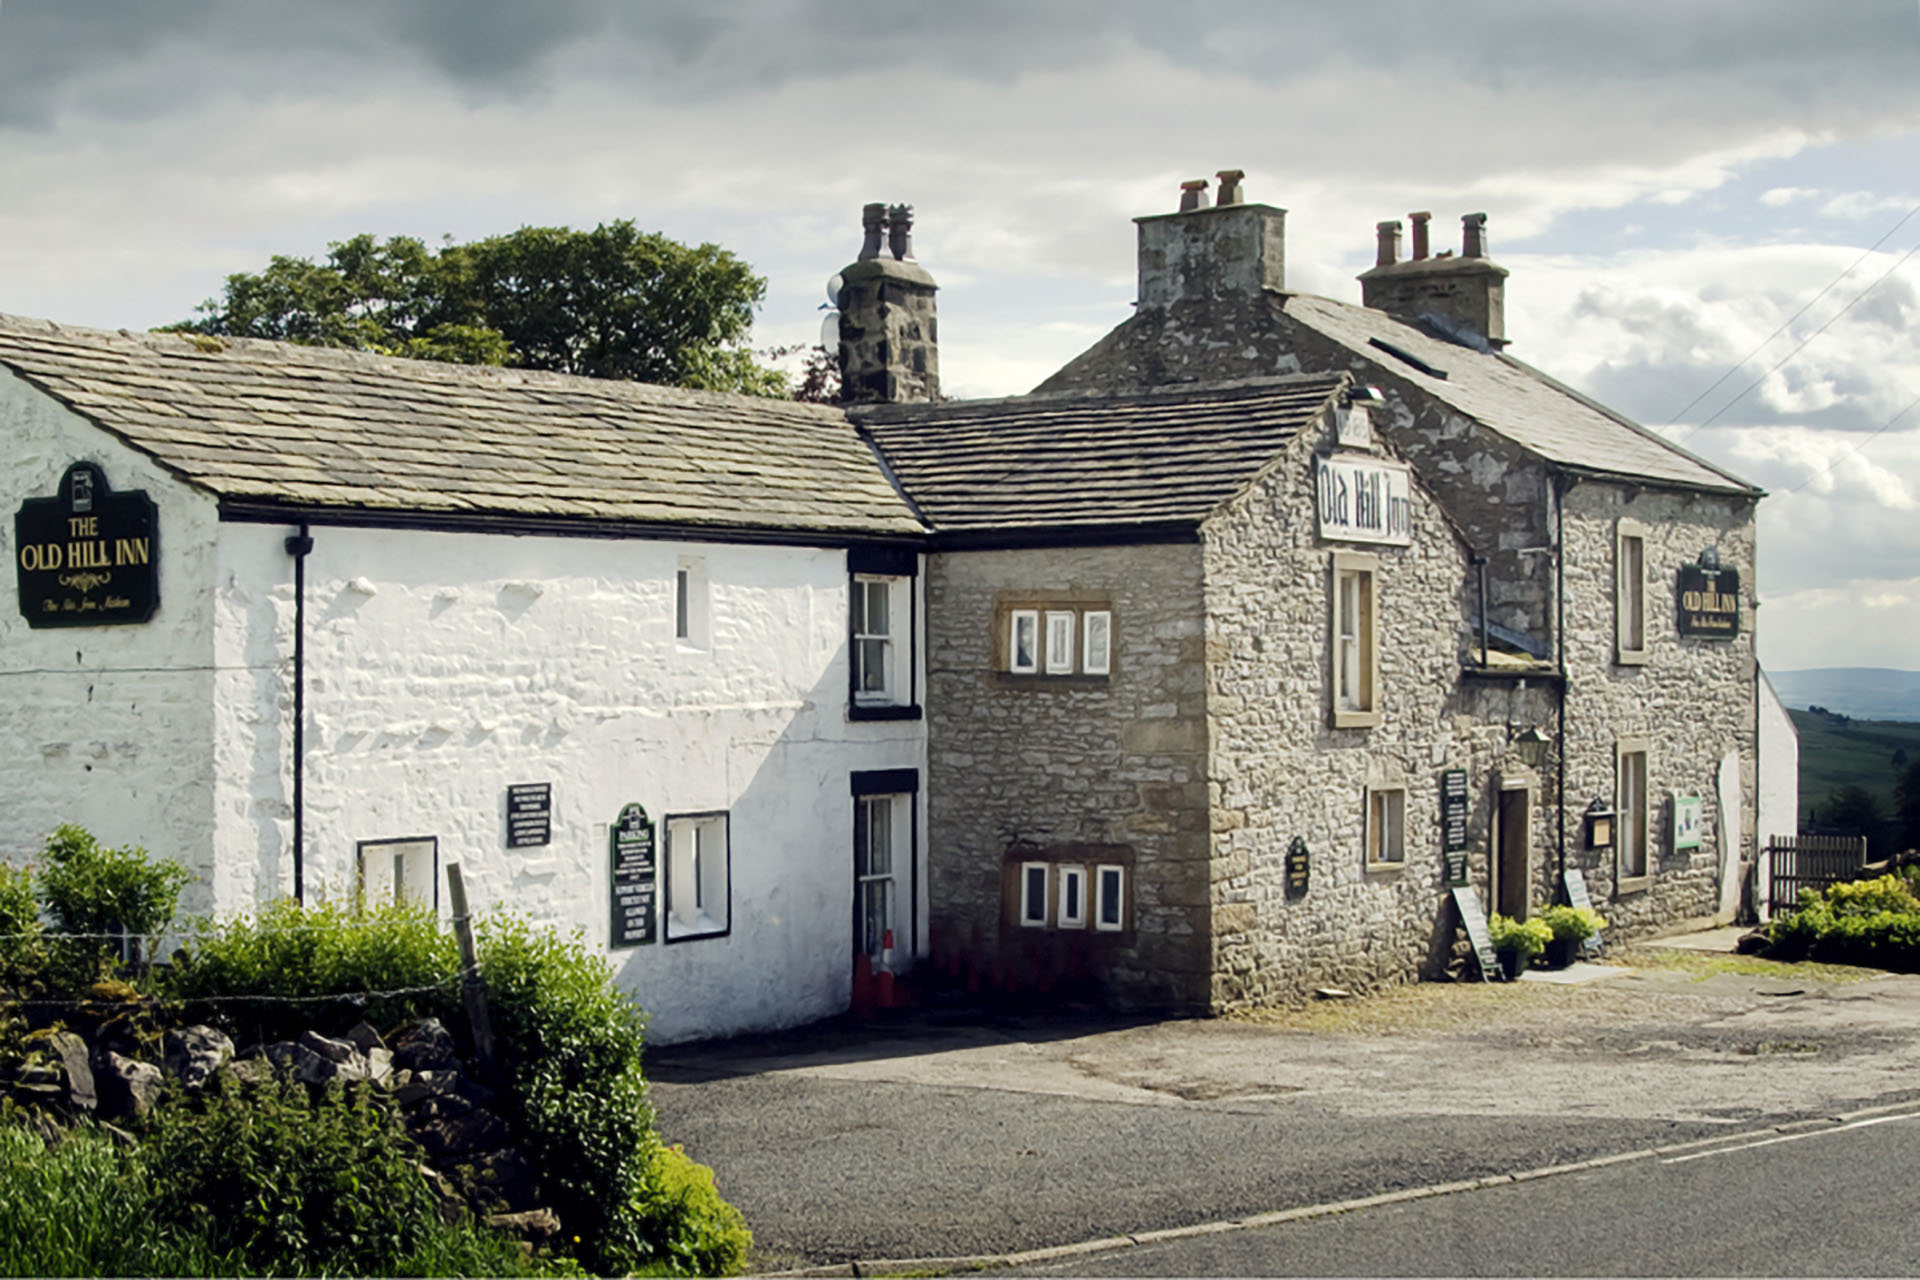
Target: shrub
23 950
690 1226
1527 938
1865 922
1572 924
88 889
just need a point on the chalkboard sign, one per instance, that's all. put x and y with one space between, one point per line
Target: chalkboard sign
529 814
1577 896
635 883
1453 813
1467 903
87 557
1298 869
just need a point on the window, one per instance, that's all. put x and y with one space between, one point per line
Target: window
399 871
1110 898
1033 894
873 872
1057 638
1630 592
1630 802
1353 643
873 650
1072 898
1386 827
690 603
699 876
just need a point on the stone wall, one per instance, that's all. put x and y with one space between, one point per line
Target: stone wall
1071 768
1692 700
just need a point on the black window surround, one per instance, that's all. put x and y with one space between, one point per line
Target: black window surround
877 560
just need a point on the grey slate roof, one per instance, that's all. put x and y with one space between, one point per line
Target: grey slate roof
1058 463
1515 399
264 424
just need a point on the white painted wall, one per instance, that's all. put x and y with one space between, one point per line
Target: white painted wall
443 667
108 727
1779 778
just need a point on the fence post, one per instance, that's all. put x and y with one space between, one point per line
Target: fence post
473 990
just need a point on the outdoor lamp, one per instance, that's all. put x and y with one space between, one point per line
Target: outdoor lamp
1530 744
1599 825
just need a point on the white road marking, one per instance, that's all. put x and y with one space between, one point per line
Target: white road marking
1790 1137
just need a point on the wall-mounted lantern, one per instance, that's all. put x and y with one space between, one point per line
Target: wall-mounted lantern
1599 823
1529 744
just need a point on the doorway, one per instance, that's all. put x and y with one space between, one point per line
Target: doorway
1512 847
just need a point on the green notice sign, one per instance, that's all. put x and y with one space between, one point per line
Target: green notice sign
634 878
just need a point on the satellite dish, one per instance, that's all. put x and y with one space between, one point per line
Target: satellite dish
834 285
830 331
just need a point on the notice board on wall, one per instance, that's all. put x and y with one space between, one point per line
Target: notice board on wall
635 879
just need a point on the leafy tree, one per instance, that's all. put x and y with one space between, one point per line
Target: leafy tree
613 302
1857 810
1906 807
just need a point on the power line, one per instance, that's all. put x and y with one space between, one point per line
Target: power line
1835 461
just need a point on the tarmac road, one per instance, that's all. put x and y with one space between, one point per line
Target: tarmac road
927 1139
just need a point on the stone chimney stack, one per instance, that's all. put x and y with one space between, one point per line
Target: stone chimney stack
1467 293
889 338
1231 250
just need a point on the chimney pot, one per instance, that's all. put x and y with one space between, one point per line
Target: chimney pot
900 231
1389 243
1193 195
873 220
1229 186
1419 234
1473 235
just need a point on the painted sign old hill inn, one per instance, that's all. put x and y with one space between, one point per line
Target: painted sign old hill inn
1203 674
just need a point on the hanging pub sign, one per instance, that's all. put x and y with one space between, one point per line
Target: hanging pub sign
87 557
634 882
1362 499
1298 869
1708 602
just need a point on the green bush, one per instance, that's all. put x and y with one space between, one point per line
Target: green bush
91 890
1528 938
1865 922
23 949
276 1184
692 1229
1572 924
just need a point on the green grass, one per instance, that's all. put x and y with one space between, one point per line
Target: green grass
1838 753
1708 964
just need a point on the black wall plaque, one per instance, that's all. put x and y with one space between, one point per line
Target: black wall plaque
1467 903
1453 867
1298 869
1453 812
529 814
1707 602
87 557
635 883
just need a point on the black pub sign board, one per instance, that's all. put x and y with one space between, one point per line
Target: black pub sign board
1299 868
529 814
87 557
1707 602
635 881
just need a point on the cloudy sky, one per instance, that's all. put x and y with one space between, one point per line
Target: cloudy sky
1685 191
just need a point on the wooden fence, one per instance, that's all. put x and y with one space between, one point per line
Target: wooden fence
1810 862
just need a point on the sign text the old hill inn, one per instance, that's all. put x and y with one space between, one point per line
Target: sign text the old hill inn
87 557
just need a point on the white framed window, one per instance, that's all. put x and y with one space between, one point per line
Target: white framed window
399 871
1070 897
690 604
1023 641
1387 827
1630 593
1109 897
1060 642
699 876
1096 642
1034 907
875 619
1354 641
881 840
1630 802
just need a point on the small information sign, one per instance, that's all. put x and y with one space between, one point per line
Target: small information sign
529 814
1474 917
1453 812
634 878
1454 867
1298 869
1686 822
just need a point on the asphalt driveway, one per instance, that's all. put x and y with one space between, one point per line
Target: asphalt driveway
934 1137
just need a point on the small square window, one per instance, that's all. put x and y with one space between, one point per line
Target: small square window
1072 898
699 877
1110 898
399 871
1033 895
1023 641
1097 643
1386 828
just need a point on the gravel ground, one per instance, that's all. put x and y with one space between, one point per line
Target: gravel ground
930 1137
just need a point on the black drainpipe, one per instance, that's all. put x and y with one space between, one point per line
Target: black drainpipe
1480 562
298 545
1560 486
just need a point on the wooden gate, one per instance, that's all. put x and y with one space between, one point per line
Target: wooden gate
1810 862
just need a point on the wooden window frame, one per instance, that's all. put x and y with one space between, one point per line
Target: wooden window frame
1376 799
1064 872
1027 918
1629 821
1361 568
1630 598
1099 903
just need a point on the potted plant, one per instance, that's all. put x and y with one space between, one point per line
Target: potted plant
1571 927
1517 942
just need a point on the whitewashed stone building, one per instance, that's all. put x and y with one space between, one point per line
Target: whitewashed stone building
385 615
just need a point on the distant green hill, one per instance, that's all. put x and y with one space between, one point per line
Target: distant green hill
1838 751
